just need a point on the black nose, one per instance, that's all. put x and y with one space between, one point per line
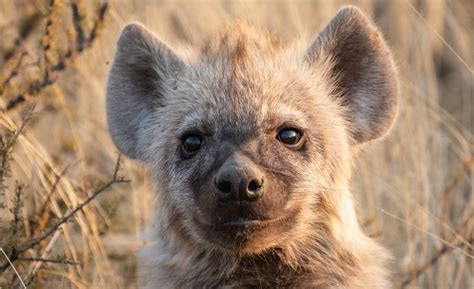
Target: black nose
239 183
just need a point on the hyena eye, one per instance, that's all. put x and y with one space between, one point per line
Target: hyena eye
191 144
289 136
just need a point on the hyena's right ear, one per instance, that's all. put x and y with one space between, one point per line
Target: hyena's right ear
141 68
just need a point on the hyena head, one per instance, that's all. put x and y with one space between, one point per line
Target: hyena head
249 139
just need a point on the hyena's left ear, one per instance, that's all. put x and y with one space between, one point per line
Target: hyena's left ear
141 72
363 70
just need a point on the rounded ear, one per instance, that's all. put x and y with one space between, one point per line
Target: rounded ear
363 71
136 85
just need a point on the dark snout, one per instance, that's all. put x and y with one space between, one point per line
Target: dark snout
243 206
239 179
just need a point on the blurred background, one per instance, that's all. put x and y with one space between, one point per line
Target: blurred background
413 191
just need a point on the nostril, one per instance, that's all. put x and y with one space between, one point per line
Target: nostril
238 183
254 185
224 186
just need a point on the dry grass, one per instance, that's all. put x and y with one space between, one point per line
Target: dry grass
414 191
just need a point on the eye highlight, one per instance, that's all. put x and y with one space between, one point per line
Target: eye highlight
191 144
289 136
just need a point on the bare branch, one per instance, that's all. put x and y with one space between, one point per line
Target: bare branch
76 20
445 249
44 260
52 189
12 73
28 25
83 43
16 251
99 21
33 242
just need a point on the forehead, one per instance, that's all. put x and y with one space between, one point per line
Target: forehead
243 80
253 95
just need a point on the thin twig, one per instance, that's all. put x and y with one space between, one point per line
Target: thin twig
52 189
445 249
33 242
456 180
76 20
17 250
36 88
10 263
99 21
29 24
35 266
440 37
420 270
45 260
12 73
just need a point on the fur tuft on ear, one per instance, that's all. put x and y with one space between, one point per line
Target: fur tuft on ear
363 71
141 67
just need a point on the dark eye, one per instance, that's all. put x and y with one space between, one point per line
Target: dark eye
289 136
191 144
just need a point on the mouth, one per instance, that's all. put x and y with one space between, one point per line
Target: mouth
242 223
246 235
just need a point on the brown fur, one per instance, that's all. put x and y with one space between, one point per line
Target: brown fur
237 92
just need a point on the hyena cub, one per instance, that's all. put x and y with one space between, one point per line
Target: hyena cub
251 142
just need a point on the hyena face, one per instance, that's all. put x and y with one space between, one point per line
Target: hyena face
244 143
249 139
